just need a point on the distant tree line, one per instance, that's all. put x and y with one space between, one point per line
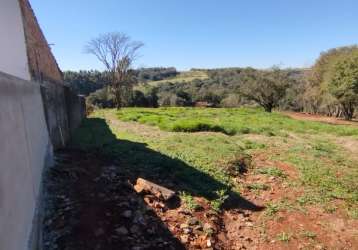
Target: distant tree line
329 87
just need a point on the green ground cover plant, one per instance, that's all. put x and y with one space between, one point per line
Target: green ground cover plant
228 121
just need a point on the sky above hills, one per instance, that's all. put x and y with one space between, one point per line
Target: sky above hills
202 33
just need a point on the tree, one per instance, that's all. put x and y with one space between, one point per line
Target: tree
267 87
117 52
318 96
344 84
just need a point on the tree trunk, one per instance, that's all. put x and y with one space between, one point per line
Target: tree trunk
118 99
348 111
268 108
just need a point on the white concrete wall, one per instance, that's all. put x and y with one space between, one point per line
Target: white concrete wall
13 56
24 150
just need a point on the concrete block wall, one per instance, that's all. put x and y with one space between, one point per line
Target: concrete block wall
25 149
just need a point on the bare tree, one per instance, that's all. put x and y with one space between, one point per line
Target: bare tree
117 52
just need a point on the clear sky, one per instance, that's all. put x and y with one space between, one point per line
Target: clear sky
202 33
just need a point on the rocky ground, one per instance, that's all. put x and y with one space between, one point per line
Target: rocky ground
91 204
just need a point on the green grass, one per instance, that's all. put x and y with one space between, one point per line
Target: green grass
326 171
258 186
309 234
271 171
229 121
207 164
284 237
272 209
189 201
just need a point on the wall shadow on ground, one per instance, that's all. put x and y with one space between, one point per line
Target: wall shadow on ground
86 199
141 161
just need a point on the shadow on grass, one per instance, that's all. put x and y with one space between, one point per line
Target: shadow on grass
141 161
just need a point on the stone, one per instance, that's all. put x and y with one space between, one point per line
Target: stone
123 204
127 214
193 221
208 243
184 211
99 232
184 239
139 219
184 225
198 227
249 224
122 231
187 230
134 229
208 226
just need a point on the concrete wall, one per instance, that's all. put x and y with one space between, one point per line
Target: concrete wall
64 111
12 40
76 110
54 98
25 149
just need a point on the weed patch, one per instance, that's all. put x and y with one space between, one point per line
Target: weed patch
284 237
189 201
271 171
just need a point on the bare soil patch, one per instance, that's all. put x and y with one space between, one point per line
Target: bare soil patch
320 118
350 144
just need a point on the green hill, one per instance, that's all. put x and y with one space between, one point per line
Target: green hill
185 76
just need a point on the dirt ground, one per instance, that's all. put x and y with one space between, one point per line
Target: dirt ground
320 118
91 204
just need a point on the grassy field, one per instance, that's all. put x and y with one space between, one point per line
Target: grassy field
159 144
229 121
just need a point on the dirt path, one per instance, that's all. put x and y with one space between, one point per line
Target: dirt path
320 118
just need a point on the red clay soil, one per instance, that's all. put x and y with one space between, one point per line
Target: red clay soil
290 227
320 118
92 205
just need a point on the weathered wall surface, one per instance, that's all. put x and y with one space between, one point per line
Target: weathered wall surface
12 43
42 63
76 110
54 98
25 149
64 111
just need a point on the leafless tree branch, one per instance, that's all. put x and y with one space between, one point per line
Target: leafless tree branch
117 52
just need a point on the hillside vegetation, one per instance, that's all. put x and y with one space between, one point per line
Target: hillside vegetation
185 76
329 87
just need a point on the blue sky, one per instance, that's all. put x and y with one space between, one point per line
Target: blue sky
202 33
